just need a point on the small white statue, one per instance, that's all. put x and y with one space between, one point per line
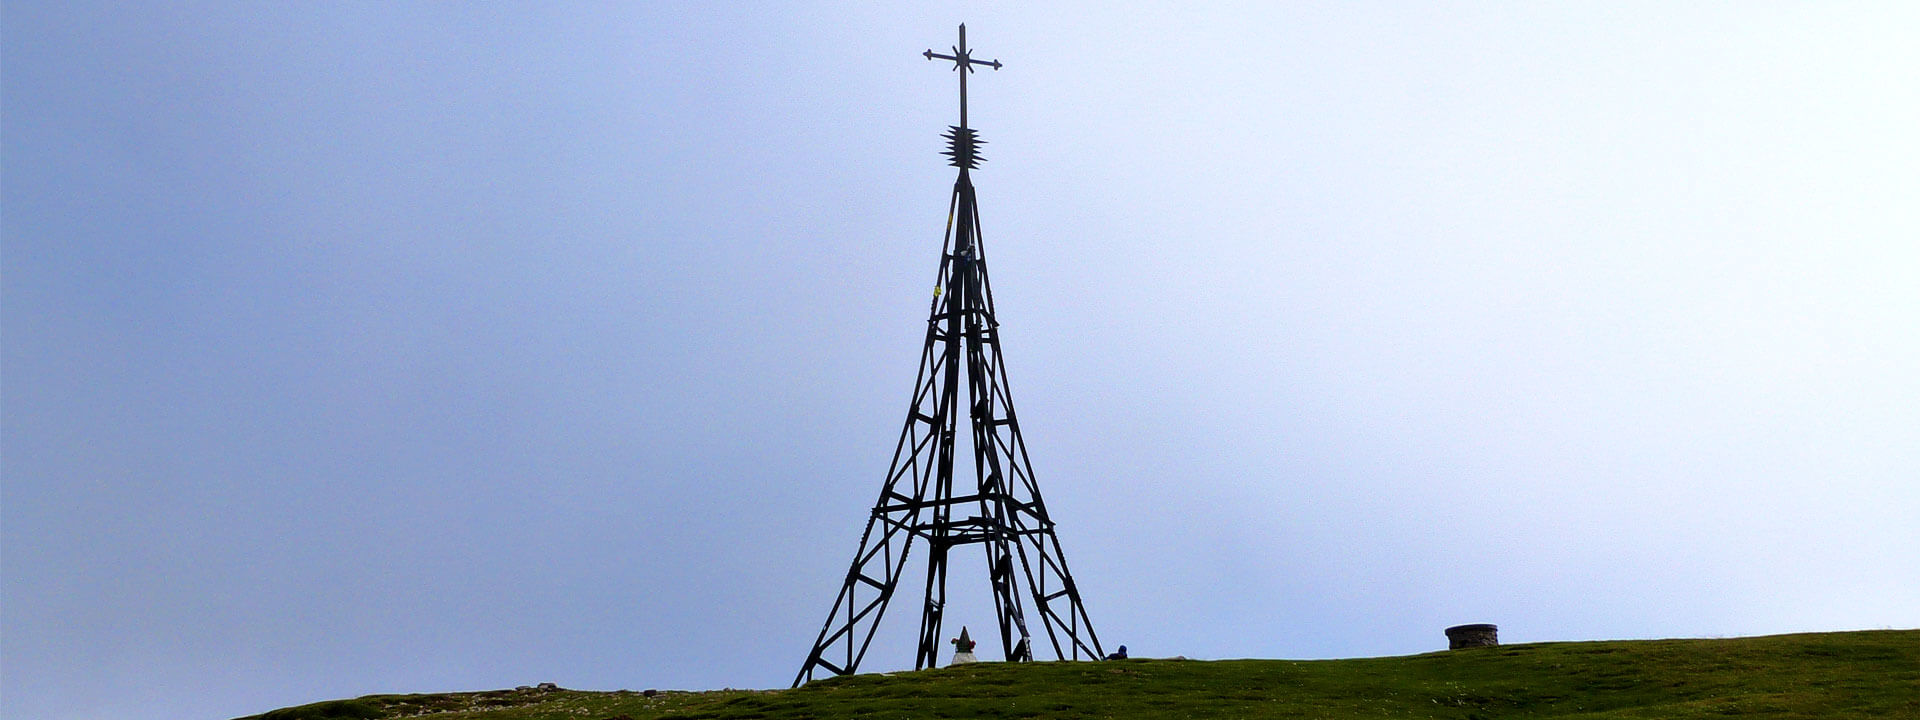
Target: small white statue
963 648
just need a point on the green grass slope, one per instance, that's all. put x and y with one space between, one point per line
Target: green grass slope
1873 674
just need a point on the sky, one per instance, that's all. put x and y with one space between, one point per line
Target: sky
371 347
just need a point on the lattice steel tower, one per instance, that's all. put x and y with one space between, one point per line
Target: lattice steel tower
918 500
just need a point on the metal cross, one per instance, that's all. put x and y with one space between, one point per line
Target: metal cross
962 58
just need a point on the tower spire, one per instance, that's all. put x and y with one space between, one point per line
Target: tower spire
917 501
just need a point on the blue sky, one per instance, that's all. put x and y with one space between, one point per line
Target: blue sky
388 347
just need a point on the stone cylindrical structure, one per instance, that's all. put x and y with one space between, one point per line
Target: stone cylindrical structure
1475 635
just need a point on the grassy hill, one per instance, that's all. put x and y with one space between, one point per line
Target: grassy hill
1874 674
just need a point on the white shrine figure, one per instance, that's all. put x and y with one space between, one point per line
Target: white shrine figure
963 649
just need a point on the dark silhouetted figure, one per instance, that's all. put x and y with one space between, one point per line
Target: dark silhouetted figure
1120 655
